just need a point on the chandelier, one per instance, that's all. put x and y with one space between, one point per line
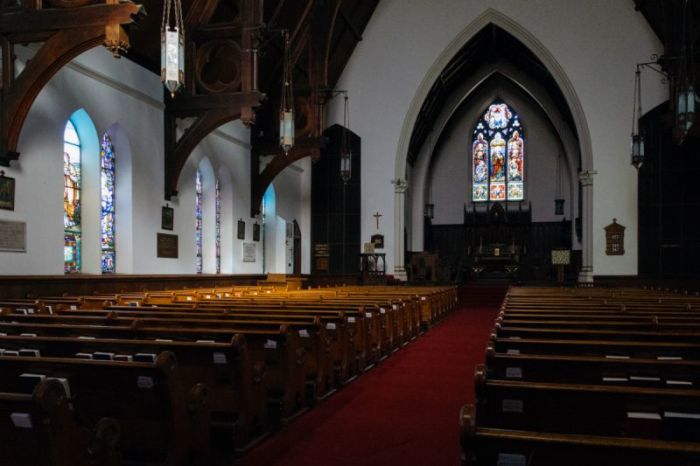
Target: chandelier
637 152
345 150
172 47
287 100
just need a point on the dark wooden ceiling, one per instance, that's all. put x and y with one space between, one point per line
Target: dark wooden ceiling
292 15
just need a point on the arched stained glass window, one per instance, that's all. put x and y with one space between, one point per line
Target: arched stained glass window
71 199
217 192
198 221
498 155
107 238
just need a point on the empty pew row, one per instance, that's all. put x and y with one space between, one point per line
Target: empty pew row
572 377
236 368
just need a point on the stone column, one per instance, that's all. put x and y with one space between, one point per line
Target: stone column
400 187
585 277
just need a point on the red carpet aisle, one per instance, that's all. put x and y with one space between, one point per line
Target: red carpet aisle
403 412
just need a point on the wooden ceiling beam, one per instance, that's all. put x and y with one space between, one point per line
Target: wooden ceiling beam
199 14
353 29
68 18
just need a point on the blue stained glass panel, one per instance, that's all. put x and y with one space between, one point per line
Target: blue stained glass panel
198 222
217 191
107 212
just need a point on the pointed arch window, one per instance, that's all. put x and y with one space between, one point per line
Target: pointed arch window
498 156
217 193
107 212
71 199
198 221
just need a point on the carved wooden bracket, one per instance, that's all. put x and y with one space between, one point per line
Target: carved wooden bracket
304 148
66 33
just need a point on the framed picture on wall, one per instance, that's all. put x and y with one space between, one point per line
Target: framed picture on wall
241 229
167 219
7 192
256 232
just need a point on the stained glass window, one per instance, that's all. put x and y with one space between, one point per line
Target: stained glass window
198 221
107 205
71 199
217 192
498 153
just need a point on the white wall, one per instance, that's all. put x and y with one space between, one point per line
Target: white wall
124 98
596 45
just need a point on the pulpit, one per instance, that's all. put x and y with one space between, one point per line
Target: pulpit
373 268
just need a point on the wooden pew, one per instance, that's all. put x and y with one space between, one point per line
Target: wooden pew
485 446
160 420
41 429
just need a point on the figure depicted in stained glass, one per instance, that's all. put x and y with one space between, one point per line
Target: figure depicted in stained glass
107 229
71 199
497 165
71 191
498 158
480 151
515 158
198 222
498 116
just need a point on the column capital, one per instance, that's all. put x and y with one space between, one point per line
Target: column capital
586 177
400 185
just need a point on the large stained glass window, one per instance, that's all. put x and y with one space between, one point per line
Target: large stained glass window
217 192
198 221
107 205
498 153
71 199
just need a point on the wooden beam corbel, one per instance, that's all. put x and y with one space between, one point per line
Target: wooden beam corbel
86 30
304 148
177 151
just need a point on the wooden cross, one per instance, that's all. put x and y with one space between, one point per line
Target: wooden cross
377 216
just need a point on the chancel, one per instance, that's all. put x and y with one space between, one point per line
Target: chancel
202 262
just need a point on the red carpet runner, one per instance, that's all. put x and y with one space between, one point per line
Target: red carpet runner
404 411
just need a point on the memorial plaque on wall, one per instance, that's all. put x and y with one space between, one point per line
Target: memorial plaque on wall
167 246
321 257
13 236
249 252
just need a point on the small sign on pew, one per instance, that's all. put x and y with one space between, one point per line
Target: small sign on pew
303 333
512 406
514 373
21 420
220 358
270 344
145 382
510 459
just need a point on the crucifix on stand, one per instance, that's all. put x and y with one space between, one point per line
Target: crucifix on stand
377 216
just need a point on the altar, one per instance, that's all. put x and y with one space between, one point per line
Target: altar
496 260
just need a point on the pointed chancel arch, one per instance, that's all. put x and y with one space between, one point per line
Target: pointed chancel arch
432 76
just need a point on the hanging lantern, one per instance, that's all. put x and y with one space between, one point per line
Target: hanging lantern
345 151
287 101
429 211
172 47
637 140
559 206
686 108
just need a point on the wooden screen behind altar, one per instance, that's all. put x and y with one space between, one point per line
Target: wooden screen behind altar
498 155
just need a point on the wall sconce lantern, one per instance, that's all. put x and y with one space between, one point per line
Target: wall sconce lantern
429 211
